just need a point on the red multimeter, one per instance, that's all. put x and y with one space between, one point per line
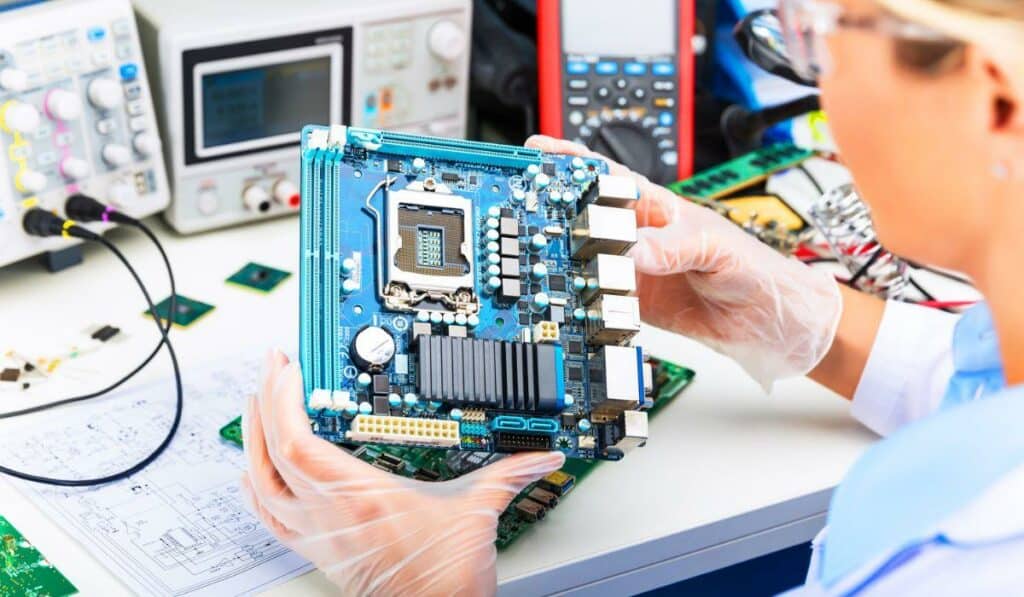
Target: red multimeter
618 77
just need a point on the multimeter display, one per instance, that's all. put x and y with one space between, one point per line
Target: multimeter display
589 27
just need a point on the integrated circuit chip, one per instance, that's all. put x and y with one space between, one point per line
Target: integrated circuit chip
261 278
186 311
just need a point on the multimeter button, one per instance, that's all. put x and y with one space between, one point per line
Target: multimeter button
602 93
664 102
577 68
606 68
663 85
669 158
635 68
578 100
621 102
663 69
128 71
575 118
621 83
578 84
665 119
207 202
639 94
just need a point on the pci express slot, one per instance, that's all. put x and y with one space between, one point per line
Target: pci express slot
438 148
491 374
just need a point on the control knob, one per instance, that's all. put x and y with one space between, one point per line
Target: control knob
446 40
74 168
30 181
146 144
20 117
105 93
633 145
13 80
116 155
61 104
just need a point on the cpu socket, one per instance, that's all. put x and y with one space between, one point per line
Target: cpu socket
429 252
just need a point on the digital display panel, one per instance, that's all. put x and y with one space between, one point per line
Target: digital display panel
618 28
266 101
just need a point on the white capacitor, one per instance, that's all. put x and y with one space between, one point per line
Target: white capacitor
372 349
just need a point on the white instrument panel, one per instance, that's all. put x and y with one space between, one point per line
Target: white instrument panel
76 115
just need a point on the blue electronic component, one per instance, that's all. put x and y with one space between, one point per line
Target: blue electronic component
440 244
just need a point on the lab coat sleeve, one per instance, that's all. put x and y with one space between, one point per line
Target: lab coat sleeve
909 367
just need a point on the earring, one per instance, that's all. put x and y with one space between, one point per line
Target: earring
1001 171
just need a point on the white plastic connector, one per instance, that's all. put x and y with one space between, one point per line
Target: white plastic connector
320 399
340 399
546 331
404 430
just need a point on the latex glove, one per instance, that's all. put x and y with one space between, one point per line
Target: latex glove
369 531
700 275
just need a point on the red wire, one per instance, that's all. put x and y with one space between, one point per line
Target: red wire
947 304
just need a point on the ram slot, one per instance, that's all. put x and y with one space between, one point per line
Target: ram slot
438 148
308 253
316 283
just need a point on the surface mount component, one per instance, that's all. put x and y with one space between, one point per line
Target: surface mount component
436 303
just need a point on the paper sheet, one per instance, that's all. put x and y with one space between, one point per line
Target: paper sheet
179 527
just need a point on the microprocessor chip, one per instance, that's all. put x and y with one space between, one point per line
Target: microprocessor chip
575 347
556 283
394 166
255 276
186 311
574 372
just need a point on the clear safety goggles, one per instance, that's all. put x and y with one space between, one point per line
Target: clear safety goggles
806 24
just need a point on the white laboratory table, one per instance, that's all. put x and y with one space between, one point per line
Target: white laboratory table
728 474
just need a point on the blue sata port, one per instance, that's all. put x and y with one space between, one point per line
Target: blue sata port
515 423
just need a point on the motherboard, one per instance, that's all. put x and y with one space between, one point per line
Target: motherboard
468 296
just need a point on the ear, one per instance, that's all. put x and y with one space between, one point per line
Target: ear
1006 85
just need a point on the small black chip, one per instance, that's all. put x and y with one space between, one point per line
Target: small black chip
536 288
472 179
507 212
575 347
574 373
450 177
394 166
531 230
380 406
568 420
381 384
523 259
105 333
534 259
525 319
556 283
548 168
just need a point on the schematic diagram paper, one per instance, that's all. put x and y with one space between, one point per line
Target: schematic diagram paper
179 528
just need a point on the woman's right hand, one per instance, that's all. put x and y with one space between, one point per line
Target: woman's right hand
703 277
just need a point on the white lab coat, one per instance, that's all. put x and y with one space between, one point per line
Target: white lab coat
905 379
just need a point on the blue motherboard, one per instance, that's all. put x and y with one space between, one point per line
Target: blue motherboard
466 295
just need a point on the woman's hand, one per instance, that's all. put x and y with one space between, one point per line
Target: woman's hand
702 276
369 531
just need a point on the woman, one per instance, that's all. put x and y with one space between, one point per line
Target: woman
925 101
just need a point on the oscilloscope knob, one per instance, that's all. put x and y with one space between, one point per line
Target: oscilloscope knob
105 93
446 40
74 168
116 155
20 117
30 181
13 80
63 105
146 144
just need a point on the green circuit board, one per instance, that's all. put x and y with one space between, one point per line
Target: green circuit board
24 572
426 464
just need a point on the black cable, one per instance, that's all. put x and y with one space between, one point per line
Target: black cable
165 329
810 177
179 402
864 268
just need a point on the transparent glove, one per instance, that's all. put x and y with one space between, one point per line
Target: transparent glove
701 276
371 532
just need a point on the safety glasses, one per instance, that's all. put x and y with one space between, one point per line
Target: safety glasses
791 41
